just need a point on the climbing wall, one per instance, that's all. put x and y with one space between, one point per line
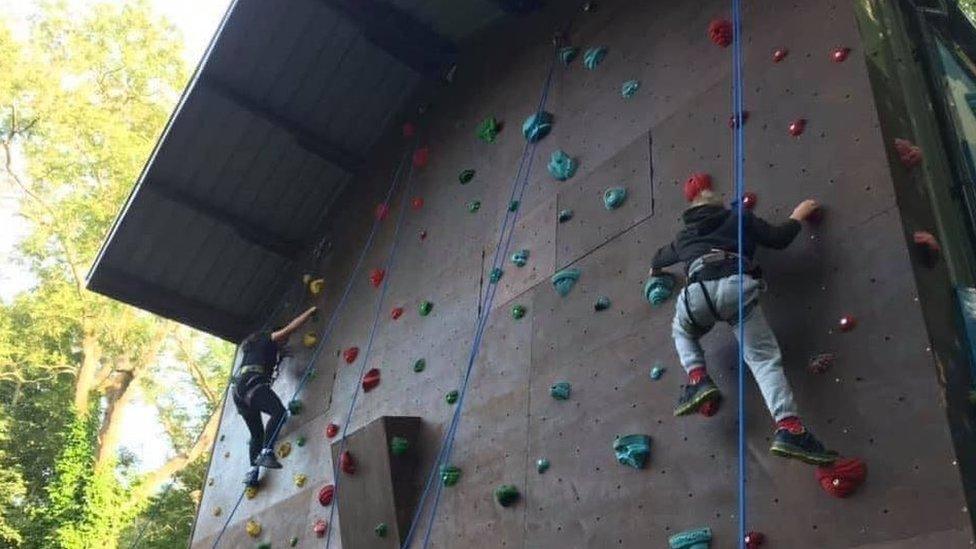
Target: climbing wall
881 401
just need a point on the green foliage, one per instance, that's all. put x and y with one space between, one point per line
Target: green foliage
168 518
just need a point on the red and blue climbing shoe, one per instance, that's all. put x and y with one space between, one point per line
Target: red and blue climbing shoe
267 460
803 446
694 395
251 478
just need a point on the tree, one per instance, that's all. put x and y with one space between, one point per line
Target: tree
82 102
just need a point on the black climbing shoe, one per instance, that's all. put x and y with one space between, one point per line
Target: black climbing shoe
251 478
693 396
802 446
267 460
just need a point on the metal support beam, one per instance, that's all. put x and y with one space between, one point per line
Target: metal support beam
519 6
401 35
306 137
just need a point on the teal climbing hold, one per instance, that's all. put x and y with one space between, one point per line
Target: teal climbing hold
593 57
474 206
632 450
295 407
381 530
518 311
466 176
602 303
659 288
496 275
560 390
451 397
537 126
293 541
629 88
506 495
450 475
520 258
419 365
264 545
513 205
567 54
564 280
425 308
542 465
565 215
399 446
657 372
699 538
300 441
614 197
561 165
488 129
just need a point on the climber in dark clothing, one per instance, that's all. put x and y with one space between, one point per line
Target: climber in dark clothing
253 395
708 246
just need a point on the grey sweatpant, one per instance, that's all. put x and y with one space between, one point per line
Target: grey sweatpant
761 349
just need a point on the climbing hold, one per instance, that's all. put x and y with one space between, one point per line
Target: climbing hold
710 408
294 406
371 379
382 211
632 450
381 530
252 528
780 54
846 323
399 446
425 308
629 88
320 528
293 542
466 176
909 154
797 127
473 206
602 303
420 157
698 538
264 545
732 121
226 455
210 481
221 439
560 390
347 463
416 202
561 166
376 277
537 126
408 129
754 540
217 511
419 365
567 54
542 465
350 354
299 479
451 397
250 492
520 258
821 363
720 32
423 234
326 494
513 205
506 495
659 288
518 311
300 441
843 477
697 183
284 449
316 286
589 6
593 57
488 129
839 55
564 281
565 215
614 197
309 340
396 313
657 372
495 275
331 430
749 200
450 475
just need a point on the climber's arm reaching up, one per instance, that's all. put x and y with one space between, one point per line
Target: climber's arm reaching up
281 336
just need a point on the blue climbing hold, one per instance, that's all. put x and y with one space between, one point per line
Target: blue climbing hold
632 450
561 166
602 303
560 390
496 275
629 88
542 465
520 258
659 288
537 126
593 57
565 215
699 538
564 281
614 197
567 54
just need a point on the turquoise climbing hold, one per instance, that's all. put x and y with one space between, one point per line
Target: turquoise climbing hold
629 88
488 129
295 407
657 372
560 390
542 465
632 450
264 545
614 197
659 288
537 126
564 281
506 495
699 538
419 365
425 308
300 441
450 475
518 311
567 54
513 205
294 541
466 176
561 165
602 303
496 275
399 446
520 258
565 215
593 57
381 530
474 206
451 397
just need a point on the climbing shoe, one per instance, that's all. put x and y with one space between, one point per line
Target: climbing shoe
267 460
696 394
251 478
802 446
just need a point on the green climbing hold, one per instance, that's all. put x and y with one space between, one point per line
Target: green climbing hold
398 446
567 54
419 365
657 372
602 303
537 126
659 288
629 88
699 538
564 280
264 545
520 258
295 407
474 206
488 129
425 308
506 495
451 397
450 475
300 441
593 57
513 205
496 275
614 197
560 390
293 541
542 465
518 311
561 165
632 450
565 215
381 529
466 176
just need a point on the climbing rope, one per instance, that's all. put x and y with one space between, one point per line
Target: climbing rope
327 332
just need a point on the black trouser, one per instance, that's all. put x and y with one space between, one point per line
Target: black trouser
252 396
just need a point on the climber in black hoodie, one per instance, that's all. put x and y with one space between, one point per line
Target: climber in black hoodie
708 246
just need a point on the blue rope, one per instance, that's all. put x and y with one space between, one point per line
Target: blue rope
738 160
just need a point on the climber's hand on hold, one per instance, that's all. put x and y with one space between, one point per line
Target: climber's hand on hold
805 209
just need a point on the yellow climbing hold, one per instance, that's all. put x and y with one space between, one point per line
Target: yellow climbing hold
309 340
217 511
283 450
251 492
252 528
316 286
300 480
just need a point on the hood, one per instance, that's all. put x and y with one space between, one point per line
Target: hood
702 220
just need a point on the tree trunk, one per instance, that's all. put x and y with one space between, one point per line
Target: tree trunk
119 398
90 361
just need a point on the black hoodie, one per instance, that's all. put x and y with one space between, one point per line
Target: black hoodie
710 228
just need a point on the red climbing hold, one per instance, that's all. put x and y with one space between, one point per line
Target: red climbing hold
779 54
749 200
420 157
745 118
754 540
376 277
843 477
331 430
697 183
347 463
839 55
326 494
909 153
350 354
396 313
846 323
382 210
821 363
709 409
409 130
720 32
417 203
797 126
371 379
320 528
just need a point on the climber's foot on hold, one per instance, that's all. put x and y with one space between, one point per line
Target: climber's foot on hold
694 395
801 445
267 460
251 478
